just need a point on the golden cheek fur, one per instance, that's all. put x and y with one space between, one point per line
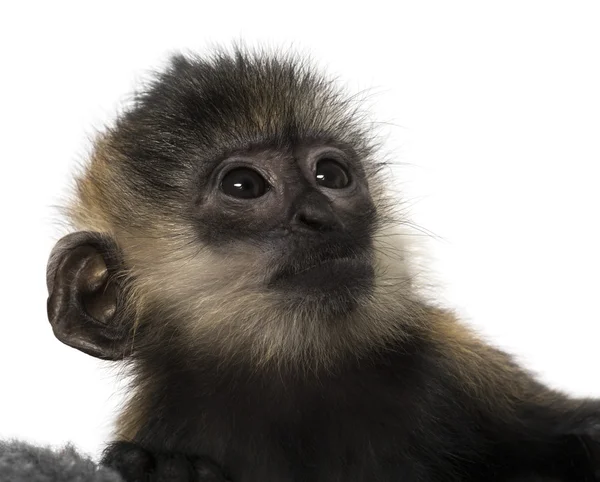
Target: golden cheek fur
221 302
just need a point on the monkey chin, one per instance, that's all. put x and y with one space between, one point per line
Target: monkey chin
332 287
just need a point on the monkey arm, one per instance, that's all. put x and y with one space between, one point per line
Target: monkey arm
555 437
542 429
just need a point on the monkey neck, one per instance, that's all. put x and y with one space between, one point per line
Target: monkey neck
174 391
280 342
171 373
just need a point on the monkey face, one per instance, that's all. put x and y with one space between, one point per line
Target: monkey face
306 212
244 198
279 232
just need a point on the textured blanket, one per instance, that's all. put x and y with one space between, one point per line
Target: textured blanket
22 462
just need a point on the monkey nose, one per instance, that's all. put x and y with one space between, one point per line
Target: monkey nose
314 212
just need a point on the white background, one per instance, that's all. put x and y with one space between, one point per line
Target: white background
493 108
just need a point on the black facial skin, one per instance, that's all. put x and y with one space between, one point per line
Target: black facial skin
316 230
402 413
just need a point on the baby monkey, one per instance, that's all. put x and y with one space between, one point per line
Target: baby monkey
236 245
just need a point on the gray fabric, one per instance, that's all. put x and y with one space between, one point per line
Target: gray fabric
22 462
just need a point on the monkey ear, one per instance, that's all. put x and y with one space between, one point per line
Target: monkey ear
85 300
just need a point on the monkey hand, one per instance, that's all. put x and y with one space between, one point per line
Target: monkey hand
136 464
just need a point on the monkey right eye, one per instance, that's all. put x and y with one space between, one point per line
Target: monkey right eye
243 183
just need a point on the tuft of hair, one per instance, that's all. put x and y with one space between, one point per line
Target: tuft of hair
146 166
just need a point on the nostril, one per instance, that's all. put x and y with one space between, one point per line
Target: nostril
311 222
321 219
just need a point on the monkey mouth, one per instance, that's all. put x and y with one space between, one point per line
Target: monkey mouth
351 275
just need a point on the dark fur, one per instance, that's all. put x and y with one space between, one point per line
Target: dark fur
399 415
398 390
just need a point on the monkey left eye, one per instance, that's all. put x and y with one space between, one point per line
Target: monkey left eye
243 183
331 174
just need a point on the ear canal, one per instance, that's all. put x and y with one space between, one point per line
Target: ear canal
83 301
99 295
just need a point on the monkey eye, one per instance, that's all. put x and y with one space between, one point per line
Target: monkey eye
243 183
331 174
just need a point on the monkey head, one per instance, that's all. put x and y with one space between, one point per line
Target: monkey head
238 207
